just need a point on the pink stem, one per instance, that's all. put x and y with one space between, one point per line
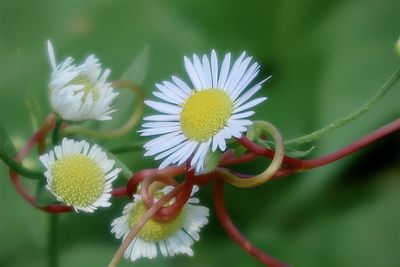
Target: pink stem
295 165
234 233
32 199
119 192
170 212
37 137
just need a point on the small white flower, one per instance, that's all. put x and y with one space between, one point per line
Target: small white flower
170 238
79 176
80 92
204 116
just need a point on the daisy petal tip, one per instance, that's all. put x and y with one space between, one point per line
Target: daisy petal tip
52 58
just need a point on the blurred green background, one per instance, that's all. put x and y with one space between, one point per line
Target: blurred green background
326 59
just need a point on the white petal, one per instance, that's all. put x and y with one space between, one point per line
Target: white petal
161 139
247 95
238 74
242 115
167 98
221 142
52 57
162 118
191 71
167 145
158 124
207 72
176 89
189 148
250 104
182 85
163 248
247 78
214 69
164 130
199 70
164 108
224 71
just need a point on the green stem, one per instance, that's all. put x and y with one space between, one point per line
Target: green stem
127 148
125 171
336 124
56 132
19 168
53 240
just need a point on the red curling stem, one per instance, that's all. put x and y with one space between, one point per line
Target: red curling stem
294 164
32 199
172 211
37 137
138 177
145 192
234 233
41 134
119 192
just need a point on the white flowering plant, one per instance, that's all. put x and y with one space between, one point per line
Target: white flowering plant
200 127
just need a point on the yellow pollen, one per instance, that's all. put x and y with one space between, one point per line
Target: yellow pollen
88 87
205 113
78 180
154 231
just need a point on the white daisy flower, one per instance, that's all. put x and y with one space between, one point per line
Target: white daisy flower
170 238
78 175
80 92
195 119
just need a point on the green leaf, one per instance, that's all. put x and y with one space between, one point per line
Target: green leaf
136 72
7 154
294 153
237 149
212 160
289 151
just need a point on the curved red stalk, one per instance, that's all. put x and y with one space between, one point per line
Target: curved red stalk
145 191
141 175
39 135
170 212
229 159
294 165
119 191
234 233
32 199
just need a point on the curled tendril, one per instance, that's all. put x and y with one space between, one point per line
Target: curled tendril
135 118
263 177
170 212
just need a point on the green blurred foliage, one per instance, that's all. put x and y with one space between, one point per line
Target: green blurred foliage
326 58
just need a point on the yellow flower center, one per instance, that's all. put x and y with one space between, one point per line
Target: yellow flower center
153 231
88 87
78 180
205 113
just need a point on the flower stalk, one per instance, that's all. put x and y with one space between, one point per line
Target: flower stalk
234 233
53 240
336 124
